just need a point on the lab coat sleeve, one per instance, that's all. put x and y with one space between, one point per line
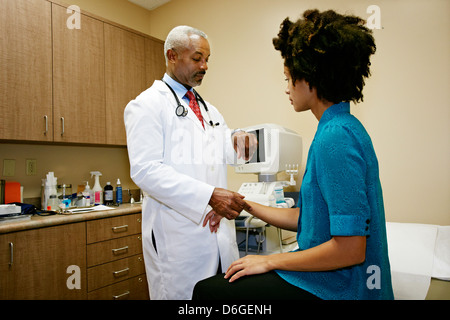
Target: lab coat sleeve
144 123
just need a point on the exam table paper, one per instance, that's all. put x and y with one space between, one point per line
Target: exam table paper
417 252
441 266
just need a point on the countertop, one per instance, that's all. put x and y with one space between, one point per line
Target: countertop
37 221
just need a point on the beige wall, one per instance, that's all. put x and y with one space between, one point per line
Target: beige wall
406 108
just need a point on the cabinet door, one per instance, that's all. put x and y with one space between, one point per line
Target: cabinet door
155 63
36 265
125 78
79 79
25 70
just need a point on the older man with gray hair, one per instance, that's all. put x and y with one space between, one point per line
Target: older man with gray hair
179 147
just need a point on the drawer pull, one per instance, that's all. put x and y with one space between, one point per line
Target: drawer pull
120 250
123 228
121 273
11 254
123 295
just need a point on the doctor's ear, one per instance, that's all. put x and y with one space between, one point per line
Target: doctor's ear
172 55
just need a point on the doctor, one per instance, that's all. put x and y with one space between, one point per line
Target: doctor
178 157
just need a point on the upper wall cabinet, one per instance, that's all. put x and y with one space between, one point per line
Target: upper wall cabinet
26 70
125 77
78 79
155 64
59 84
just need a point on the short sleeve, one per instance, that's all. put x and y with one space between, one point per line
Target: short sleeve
341 175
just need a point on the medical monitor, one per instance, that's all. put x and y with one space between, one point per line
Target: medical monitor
277 147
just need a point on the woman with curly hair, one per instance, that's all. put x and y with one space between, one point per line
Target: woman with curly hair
339 220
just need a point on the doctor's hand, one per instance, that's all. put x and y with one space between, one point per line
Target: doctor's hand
228 204
214 221
244 144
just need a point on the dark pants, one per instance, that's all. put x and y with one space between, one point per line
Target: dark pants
266 286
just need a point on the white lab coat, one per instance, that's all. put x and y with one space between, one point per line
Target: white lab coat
177 164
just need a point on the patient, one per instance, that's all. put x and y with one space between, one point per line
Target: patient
340 220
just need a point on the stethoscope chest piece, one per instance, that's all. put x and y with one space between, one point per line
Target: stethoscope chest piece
181 111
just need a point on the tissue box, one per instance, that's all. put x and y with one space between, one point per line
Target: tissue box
9 209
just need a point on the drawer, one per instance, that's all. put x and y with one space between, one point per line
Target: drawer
112 272
132 289
111 250
111 228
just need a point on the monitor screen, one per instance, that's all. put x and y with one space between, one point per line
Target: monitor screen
277 148
260 154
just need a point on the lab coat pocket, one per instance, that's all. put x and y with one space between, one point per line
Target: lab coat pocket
187 240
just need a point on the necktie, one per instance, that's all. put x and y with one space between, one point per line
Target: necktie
195 107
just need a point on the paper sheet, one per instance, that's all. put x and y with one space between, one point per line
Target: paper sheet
417 252
90 209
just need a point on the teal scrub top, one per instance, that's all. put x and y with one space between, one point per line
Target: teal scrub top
341 196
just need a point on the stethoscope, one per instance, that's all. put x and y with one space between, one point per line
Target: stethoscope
182 111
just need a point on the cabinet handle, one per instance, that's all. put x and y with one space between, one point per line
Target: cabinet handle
120 296
11 254
46 125
119 250
120 229
62 126
121 273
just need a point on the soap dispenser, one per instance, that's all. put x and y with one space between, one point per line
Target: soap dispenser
88 194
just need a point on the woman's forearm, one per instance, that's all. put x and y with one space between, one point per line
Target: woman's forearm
339 252
284 218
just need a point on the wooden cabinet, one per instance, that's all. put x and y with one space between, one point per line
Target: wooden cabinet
69 85
155 63
96 260
26 70
78 79
34 264
116 268
125 77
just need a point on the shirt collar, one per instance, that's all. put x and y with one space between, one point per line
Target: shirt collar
332 111
179 89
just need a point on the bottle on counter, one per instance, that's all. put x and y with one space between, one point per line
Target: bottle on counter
88 194
109 194
98 190
118 192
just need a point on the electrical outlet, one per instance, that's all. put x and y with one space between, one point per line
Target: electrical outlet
31 167
9 167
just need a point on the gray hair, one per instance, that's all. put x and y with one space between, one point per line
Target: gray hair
178 37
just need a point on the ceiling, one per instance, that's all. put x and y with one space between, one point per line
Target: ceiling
149 4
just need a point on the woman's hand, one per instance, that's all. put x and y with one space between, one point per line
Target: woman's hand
337 253
248 265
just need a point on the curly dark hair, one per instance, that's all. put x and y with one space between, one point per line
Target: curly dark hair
329 51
